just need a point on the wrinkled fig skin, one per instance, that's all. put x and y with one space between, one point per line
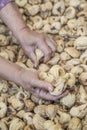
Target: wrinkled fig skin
65 21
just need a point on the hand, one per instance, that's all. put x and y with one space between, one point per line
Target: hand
31 40
30 81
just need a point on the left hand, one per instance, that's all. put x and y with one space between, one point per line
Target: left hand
31 40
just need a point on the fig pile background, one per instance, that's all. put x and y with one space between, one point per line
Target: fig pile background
66 22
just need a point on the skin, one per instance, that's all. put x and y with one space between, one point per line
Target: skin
29 41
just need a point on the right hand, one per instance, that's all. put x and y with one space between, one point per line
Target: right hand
30 81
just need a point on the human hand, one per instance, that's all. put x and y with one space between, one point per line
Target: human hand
30 81
31 40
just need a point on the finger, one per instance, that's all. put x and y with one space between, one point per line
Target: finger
45 95
45 49
51 43
43 85
32 56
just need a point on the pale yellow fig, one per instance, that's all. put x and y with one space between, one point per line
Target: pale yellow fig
11 55
59 87
70 12
3 40
56 127
46 77
64 117
60 45
83 58
81 43
64 56
57 71
43 67
63 20
37 22
4 55
21 3
16 103
72 52
32 2
71 23
73 62
3 86
41 110
82 95
29 63
39 54
45 9
69 79
83 78
21 95
29 105
79 111
55 27
74 3
53 19
10 111
54 60
48 124
75 124
68 100
16 124
3 126
38 122
32 9
28 117
58 8
51 111
77 70
3 109
20 113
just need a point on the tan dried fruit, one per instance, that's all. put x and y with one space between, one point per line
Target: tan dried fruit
46 77
72 52
3 109
54 60
39 54
3 86
45 9
64 56
3 126
57 71
28 117
3 40
82 95
38 122
81 43
41 110
83 78
59 87
58 8
70 12
21 3
75 124
63 117
16 124
48 124
32 10
68 100
56 127
29 105
79 111
51 111
16 103
43 67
